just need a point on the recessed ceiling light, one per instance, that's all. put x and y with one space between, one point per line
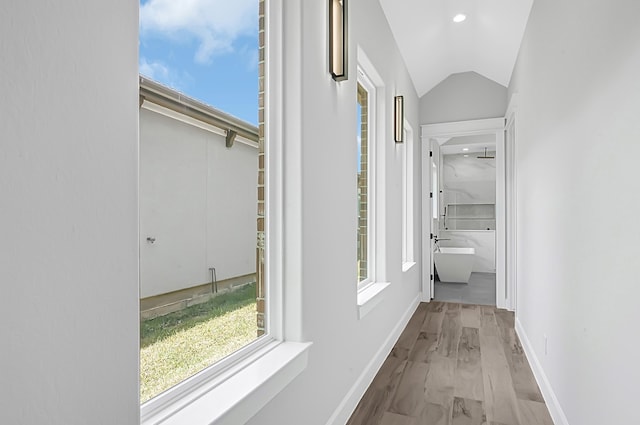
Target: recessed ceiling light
459 17
465 149
466 156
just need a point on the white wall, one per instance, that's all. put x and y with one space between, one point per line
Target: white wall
461 97
344 345
68 172
198 200
68 213
577 133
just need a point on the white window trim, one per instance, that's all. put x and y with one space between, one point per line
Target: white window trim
407 200
371 292
235 389
365 82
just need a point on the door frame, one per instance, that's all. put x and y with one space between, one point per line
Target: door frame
496 126
428 156
511 185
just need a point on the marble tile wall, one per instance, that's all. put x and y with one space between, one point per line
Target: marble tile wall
469 181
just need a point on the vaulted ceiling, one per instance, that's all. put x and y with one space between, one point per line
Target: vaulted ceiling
434 47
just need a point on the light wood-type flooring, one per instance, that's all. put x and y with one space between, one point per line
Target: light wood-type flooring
454 364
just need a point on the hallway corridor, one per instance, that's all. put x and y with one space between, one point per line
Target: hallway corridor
454 364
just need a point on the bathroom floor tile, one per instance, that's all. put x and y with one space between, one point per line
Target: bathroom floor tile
481 289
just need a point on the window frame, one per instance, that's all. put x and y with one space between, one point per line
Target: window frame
408 259
365 82
372 294
269 363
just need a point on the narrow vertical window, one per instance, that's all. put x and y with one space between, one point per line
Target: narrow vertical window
365 225
363 98
407 198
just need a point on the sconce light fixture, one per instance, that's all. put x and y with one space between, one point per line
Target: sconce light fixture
338 56
399 119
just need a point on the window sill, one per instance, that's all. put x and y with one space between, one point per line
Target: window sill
407 266
370 297
238 395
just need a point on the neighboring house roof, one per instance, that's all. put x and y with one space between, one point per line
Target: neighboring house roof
166 97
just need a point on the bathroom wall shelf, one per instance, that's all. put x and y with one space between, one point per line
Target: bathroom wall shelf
469 217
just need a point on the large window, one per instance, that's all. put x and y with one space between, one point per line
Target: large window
202 191
365 180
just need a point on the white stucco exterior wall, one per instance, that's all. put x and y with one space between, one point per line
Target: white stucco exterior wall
198 200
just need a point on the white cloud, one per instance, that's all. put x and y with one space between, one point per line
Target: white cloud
161 73
215 24
154 70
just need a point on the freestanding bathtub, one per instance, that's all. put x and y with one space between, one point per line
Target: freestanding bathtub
454 264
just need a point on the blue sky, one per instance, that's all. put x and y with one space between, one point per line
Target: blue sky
206 49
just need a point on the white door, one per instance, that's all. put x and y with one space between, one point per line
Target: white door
430 212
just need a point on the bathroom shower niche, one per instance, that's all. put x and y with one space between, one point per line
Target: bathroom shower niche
469 217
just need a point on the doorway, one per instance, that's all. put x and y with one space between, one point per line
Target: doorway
470 219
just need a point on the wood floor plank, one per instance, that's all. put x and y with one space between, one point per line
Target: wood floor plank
410 334
534 413
470 316
436 306
424 348
452 307
395 419
439 385
488 321
427 342
435 414
378 396
467 412
499 396
524 382
450 333
468 375
370 409
410 393
505 318
433 320
391 370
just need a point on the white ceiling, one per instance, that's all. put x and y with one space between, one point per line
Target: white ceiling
472 144
434 47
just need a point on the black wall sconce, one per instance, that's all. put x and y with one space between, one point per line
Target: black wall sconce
338 51
398 121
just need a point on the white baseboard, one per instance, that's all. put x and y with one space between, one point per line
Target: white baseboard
555 410
342 414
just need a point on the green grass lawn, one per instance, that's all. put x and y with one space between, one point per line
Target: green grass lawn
180 344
